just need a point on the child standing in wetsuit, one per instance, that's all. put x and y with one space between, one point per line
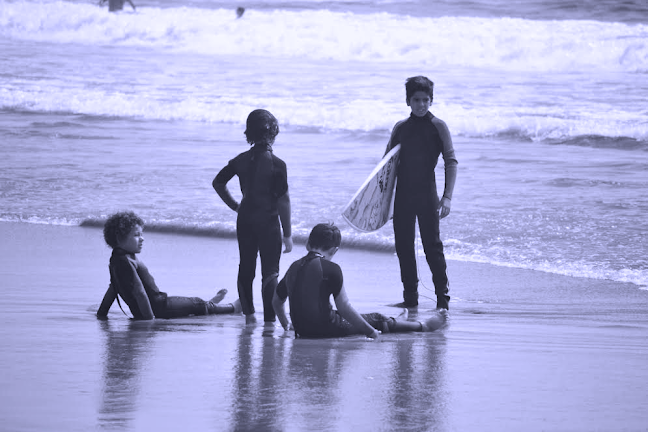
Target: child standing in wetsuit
423 137
262 213
131 280
312 280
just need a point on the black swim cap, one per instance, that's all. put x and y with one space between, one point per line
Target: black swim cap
261 126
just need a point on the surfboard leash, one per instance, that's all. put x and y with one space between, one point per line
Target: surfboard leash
418 242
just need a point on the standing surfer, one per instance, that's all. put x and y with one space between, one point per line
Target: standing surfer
423 137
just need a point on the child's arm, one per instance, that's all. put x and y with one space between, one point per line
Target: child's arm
106 303
393 139
220 186
278 304
283 206
129 279
450 167
350 314
142 300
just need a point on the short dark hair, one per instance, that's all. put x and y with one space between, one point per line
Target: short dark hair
261 127
418 83
325 236
119 225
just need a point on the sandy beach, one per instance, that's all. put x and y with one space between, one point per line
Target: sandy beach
523 350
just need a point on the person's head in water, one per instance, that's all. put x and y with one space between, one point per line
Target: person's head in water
120 227
240 11
325 238
261 127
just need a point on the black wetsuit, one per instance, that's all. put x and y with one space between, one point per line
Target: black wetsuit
127 273
309 283
422 140
263 179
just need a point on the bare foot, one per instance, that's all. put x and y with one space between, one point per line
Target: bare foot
268 329
220 295
250 319
437 321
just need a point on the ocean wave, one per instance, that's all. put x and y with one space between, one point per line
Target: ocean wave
375 242
606 142
628 11
474 59
637 277
372 243
490 43
486 122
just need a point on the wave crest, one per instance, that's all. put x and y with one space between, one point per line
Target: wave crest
493 43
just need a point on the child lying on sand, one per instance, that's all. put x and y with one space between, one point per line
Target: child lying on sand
130 278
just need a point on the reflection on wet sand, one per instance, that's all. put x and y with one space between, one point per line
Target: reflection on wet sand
127 349
258 382
282 383
418 396
275 382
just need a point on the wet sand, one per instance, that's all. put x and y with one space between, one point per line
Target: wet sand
523 350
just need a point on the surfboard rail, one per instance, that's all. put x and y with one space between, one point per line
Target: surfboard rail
371 207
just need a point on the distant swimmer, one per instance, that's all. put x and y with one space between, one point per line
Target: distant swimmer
116 5
240 11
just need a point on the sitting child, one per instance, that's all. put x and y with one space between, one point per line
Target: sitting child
309 283
130 278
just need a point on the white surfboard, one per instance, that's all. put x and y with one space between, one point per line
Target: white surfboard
372 205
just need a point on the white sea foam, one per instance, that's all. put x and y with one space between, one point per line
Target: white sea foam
534 123
501 76
500 43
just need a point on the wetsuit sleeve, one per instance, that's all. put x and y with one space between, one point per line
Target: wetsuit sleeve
107 302
449 158
129 279
220 185
280 178
284 209
282 289
147 279
278 300
334 277
283 198
394 139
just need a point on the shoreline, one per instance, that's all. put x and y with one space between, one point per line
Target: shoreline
370 275
300 240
